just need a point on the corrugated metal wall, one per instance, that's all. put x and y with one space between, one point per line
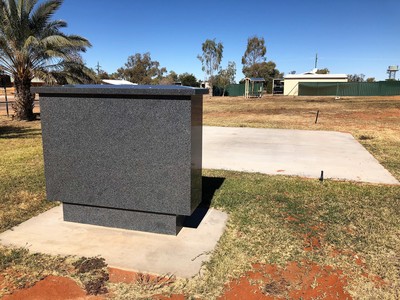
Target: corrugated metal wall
235 90
381 88
238 89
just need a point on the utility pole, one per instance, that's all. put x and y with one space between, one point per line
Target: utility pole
316 60
98 68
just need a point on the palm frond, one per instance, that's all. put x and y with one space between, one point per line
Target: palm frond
79 41
29 5
31 44
43 13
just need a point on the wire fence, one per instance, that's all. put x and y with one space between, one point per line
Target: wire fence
6 107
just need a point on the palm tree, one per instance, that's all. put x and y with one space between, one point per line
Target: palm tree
32 45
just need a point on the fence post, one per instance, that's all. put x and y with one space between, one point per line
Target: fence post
5 93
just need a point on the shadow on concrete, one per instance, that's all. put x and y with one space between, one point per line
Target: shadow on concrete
14 132
209 186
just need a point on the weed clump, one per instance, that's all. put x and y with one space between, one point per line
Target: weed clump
91 271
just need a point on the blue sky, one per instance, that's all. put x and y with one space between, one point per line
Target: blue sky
352 36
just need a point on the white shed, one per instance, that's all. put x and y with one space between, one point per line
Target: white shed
291 81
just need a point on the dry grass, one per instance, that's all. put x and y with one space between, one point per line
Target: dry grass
357 225
299 112
374 121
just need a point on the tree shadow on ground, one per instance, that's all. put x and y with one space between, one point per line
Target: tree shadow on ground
209 186
15 132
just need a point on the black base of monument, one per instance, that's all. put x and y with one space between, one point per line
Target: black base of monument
121 218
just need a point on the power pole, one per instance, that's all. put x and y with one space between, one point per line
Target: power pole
98 68
316 60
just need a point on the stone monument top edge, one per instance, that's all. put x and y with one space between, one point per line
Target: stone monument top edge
100 89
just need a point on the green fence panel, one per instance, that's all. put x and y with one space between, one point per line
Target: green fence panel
231 90
381 88
235 90
317 88
347 89
239 89
308 89
389 88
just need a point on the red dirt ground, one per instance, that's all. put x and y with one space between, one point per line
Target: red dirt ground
63 288
304 280
52 288
294 281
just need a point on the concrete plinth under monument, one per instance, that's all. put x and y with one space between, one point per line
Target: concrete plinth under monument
182 255
123 156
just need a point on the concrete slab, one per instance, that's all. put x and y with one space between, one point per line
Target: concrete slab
291 152
181 255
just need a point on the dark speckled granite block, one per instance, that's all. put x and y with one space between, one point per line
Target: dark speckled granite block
123 156
122 218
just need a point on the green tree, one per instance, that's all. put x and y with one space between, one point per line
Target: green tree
114 75
142 70
255 64
226 76
356 78
323 71
32 45
188 80
171 78
211 58
103 75
264 70
370 79
254 54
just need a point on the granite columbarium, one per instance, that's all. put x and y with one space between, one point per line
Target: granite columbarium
123 156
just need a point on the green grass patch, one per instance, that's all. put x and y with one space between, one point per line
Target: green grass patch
22 190
269 216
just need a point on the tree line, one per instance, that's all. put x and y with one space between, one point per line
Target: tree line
254 61
141 69
33 45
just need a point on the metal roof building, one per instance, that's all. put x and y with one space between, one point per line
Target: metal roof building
291 86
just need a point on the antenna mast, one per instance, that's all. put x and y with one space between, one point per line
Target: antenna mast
316 60
98 68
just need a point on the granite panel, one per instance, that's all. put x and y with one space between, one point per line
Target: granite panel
196 150
117 90
123 149
121 218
